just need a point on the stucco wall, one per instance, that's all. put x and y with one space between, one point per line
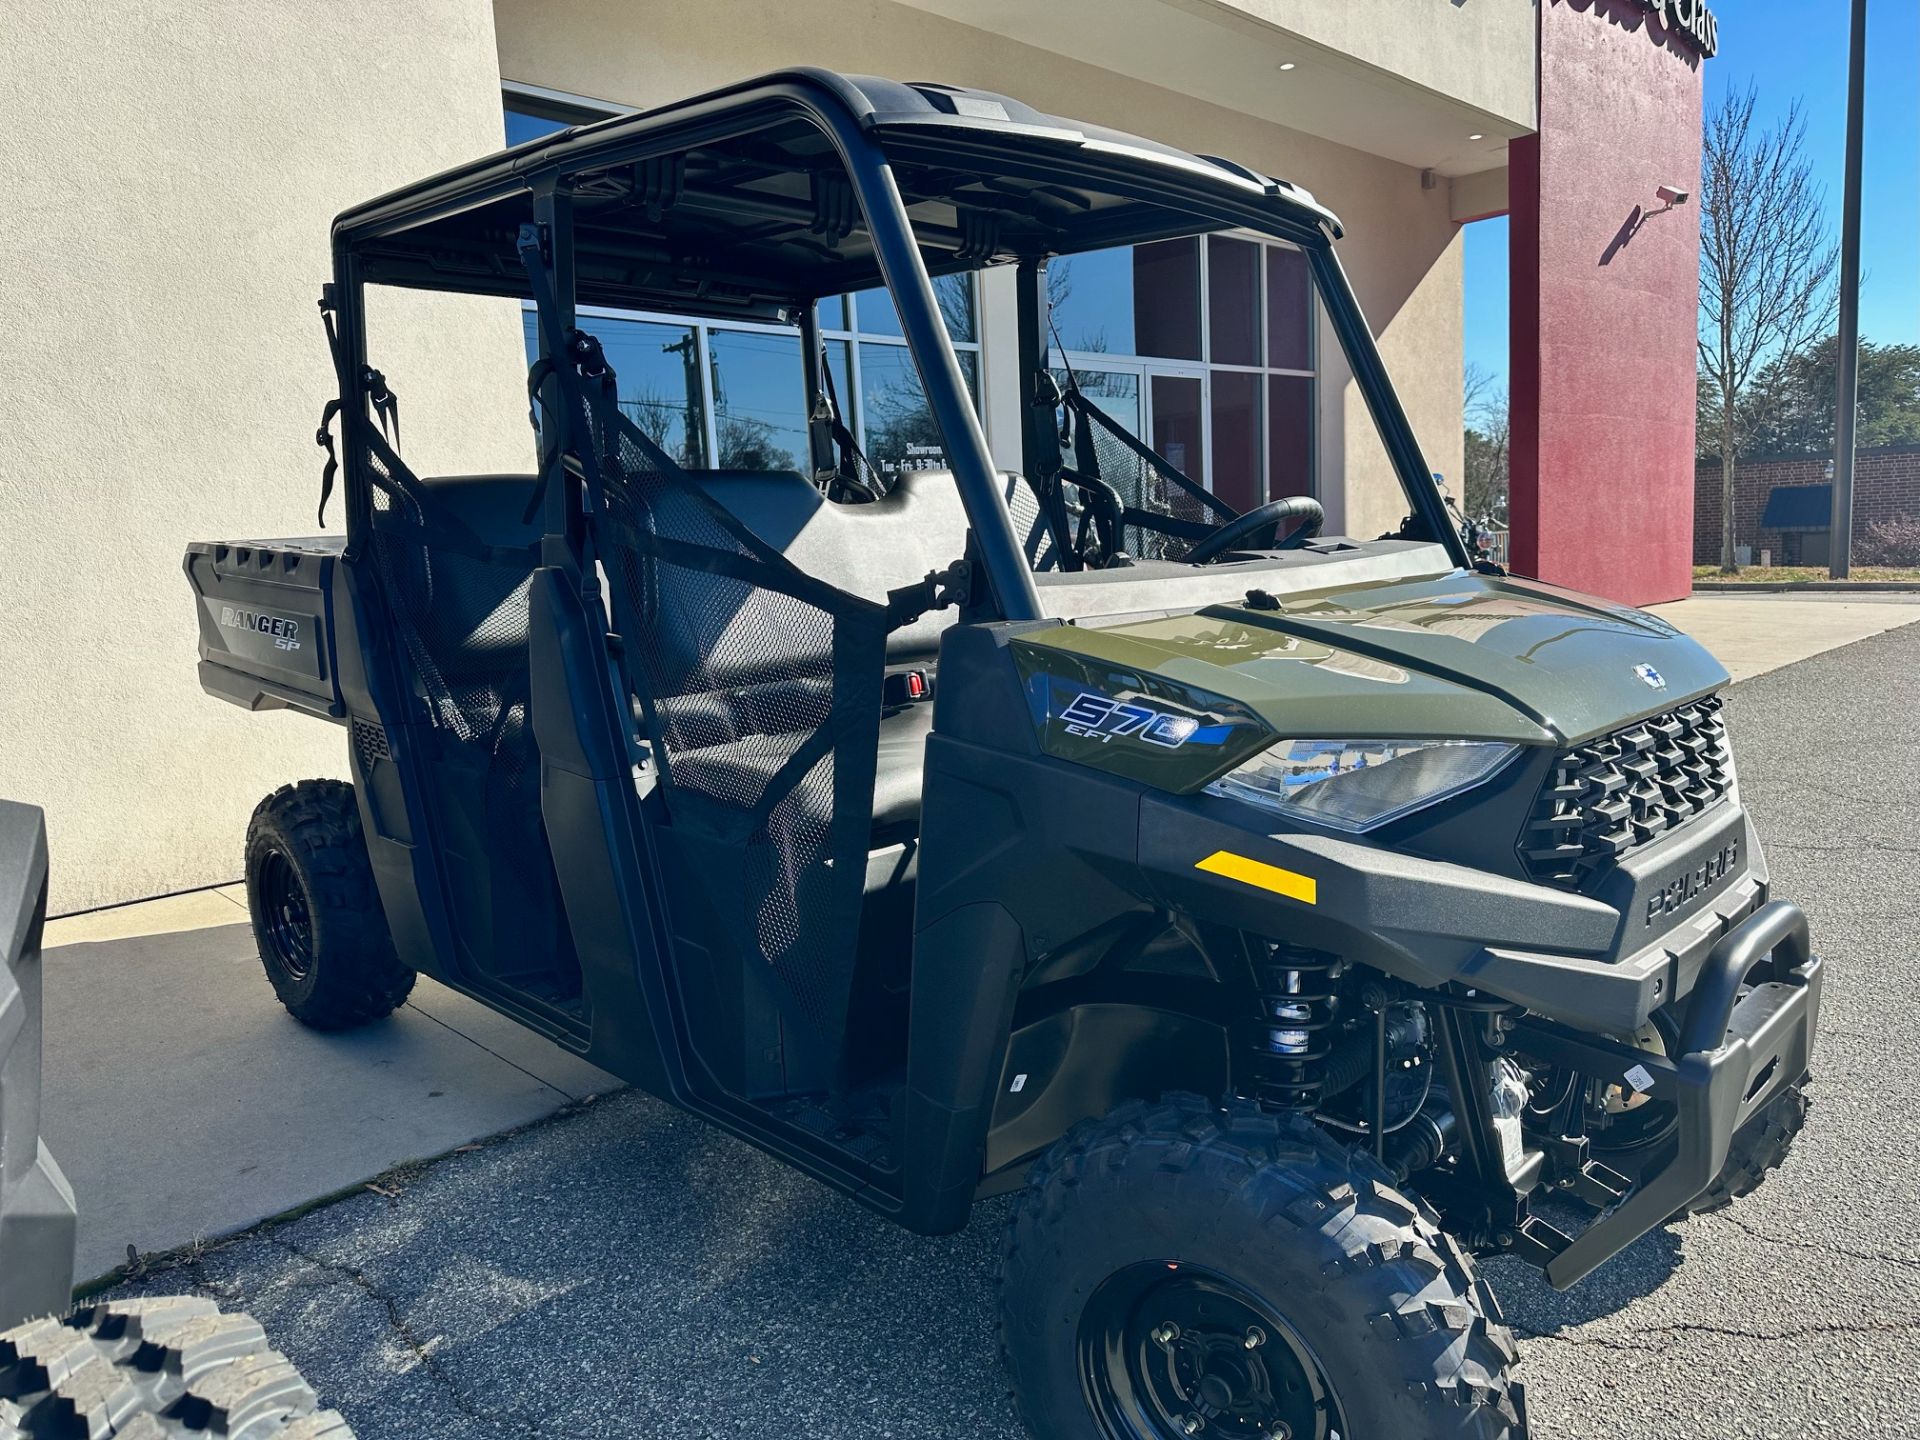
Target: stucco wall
1478 51
1605 290
1402 249
170 175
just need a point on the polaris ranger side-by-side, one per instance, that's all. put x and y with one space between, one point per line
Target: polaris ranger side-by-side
1278 913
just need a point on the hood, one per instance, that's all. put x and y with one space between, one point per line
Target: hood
1462 655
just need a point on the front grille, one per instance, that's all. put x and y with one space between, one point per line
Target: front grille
1606 797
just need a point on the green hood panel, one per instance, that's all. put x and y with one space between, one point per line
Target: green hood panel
1461 656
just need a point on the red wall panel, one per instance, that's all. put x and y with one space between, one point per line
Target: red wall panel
1605 286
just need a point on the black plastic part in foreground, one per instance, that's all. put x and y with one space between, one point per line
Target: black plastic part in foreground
1736 1054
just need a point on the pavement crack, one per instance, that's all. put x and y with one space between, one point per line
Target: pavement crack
1877 1257
1885 847
1647 1343
355 1278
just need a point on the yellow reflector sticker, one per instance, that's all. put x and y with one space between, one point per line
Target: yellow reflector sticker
1261 876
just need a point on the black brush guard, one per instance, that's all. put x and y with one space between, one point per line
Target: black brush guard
1737 1052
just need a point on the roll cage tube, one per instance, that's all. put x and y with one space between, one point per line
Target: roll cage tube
1383 401
865 141
998 551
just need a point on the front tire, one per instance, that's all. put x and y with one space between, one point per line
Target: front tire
317 919
1758 1148
166 1369
1180 1269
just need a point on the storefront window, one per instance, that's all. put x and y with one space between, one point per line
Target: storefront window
1289 435
899 429
1236 438
1237 425
659 376
1289 309
1233 301
759 400
1166 298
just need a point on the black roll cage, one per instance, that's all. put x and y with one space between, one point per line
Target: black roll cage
1198 194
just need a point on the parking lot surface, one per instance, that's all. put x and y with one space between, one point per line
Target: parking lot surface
623 1270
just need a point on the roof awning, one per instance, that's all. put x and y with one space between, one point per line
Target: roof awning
1798 507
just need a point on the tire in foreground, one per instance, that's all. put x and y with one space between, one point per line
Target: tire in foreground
160 1369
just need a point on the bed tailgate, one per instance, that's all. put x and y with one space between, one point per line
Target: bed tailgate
266 622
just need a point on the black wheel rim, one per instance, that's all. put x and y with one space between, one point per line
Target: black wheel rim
1176 1351
285 916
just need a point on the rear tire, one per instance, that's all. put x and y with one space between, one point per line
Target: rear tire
322 935
1269 1281
155 1370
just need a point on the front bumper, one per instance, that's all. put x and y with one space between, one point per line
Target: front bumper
1737 1052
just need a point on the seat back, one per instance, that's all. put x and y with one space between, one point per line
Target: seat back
866 549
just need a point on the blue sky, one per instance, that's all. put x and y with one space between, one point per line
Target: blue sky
1788 49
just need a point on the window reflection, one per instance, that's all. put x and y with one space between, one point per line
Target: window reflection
1092 299
1139 301
1116 394
759 400
875 314
900 433
659 374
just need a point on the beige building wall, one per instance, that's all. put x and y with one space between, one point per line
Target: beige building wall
1402 250
169 175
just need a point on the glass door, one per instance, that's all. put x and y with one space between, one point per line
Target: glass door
1177 420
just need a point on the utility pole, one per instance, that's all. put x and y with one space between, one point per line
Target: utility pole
1840 557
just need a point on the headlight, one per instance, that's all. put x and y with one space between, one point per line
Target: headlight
1358 784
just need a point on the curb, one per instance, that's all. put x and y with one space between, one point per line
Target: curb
1824 587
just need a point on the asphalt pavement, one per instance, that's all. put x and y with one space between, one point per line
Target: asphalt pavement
622 1270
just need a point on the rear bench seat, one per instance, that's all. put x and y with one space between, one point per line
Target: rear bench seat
865 550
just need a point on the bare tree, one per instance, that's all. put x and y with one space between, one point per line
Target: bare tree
1488 440
1766 268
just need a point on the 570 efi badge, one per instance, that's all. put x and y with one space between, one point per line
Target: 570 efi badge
1095 717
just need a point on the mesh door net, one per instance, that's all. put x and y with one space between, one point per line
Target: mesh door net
1165 514
460 608
761 690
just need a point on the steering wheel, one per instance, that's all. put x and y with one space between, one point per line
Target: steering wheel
1304 508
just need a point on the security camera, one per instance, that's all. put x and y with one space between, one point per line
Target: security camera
1672 194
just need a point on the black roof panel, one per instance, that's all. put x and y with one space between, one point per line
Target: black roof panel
725 203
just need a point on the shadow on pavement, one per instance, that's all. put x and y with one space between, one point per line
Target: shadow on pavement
1534 1307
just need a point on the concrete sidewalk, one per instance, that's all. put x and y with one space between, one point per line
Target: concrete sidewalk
1751 634
183 1102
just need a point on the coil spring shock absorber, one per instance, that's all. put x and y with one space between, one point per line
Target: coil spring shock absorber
1299 1003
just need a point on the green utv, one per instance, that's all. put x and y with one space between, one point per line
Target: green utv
1280 915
